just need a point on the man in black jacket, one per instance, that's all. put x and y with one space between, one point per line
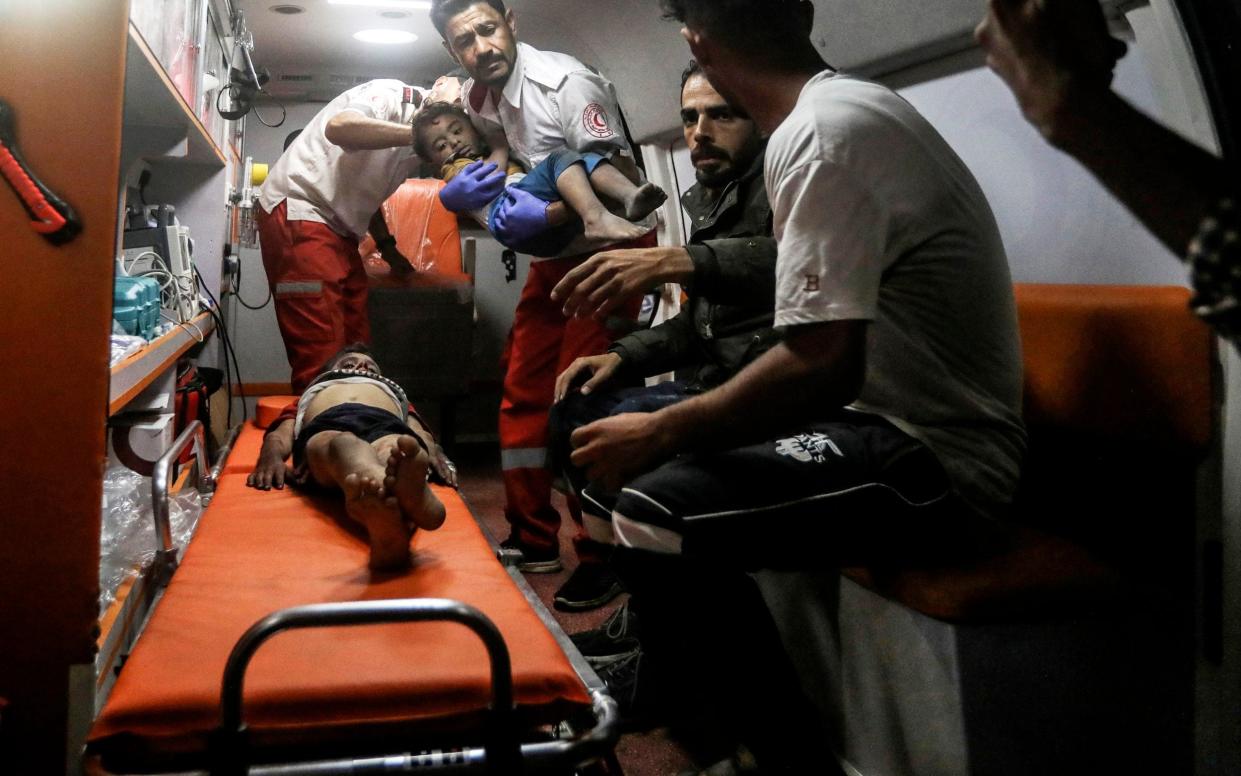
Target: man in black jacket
728 271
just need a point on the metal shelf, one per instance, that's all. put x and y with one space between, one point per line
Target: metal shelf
157 118
136 372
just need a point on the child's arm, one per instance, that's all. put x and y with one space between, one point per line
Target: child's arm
499 147
269 471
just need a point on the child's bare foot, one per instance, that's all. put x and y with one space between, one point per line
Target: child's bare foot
407 480
643 201
377 511
604 227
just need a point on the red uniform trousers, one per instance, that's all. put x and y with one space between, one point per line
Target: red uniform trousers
541 345
319 284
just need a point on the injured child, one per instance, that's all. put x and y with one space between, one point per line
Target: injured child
568 182
354 430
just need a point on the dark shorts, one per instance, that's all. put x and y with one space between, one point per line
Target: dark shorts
365 422
541 182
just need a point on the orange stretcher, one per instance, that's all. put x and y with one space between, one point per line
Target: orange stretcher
345 674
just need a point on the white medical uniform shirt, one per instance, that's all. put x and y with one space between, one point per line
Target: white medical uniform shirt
877 219
551 101
323 182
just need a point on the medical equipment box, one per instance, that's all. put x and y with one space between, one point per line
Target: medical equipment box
135 305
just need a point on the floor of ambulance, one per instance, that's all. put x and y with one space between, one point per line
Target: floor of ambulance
651 753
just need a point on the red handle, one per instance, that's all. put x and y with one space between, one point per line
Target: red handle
49 218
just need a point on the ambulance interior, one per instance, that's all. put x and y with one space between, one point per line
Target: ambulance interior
1108 646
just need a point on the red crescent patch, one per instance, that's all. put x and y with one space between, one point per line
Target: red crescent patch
595 119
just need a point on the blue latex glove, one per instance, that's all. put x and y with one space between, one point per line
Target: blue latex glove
475 186
519 217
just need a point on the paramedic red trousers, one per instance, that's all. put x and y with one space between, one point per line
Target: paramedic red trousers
319 284
541 345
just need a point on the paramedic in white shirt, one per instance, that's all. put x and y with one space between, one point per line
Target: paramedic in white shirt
319 200
538 102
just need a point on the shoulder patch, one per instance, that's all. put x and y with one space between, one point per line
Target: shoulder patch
595 120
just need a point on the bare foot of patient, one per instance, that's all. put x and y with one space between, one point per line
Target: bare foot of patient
379 512
407 480
643 201
604 227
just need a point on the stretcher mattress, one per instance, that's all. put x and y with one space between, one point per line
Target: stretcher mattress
256 552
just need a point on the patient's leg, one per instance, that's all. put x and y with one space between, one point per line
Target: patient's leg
597 222
638 201
338 458
407 479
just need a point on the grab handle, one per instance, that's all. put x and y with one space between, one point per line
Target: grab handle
50 216
161 484
503 751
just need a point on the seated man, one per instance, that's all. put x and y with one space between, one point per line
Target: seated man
354 430
888 417
446 139
728 268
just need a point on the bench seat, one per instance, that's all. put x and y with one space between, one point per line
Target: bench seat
1119 407
1065 633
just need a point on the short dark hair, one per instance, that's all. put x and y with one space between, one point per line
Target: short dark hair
353 347
758 28
691 70
695 69
430 112
443 10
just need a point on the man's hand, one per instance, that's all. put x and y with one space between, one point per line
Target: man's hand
614 449
270 472
1051 53
444 469
473 187
606 280
602 367
519 217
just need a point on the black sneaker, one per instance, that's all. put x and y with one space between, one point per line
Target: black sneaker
621 678
612 640
590 586
533 560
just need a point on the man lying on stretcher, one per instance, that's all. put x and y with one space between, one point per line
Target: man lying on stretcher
353 429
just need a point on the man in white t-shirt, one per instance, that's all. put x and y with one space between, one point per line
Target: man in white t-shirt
535 102
320 198
890 413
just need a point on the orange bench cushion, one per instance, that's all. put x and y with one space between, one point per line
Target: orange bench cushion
256 552
426 234
1119 405
1124 363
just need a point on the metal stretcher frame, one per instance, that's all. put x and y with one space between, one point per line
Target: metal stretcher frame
501 751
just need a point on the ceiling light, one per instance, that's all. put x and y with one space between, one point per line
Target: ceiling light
287 9
389 37
395 14
413 5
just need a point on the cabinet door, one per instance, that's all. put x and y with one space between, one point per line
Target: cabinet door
61 69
